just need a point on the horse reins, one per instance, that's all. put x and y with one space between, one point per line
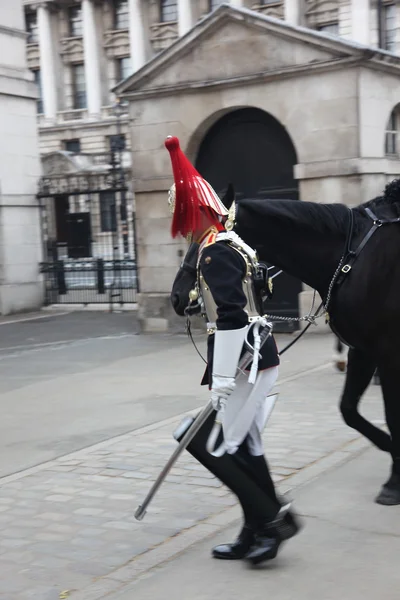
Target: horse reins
351 255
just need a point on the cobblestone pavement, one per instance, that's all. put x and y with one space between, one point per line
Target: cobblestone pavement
70 522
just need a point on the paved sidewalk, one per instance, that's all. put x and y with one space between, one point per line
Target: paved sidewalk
348 550
68 525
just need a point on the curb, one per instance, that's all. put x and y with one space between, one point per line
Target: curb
77 454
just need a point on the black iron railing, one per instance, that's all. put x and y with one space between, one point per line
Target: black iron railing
90 281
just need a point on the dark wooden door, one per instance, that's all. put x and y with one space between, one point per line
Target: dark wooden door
252 150
61 206
79 235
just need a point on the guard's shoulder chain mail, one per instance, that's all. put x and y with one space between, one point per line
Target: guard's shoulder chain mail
209 307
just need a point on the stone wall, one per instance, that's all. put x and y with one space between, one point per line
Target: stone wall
335 115
309 124
20 241
94 137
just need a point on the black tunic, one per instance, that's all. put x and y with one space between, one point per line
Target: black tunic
223 270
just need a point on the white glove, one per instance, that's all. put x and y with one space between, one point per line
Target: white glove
222 388
227 348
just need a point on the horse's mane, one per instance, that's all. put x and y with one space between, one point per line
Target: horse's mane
390 197
319 217
329 217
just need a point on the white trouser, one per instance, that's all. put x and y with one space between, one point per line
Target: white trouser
247 410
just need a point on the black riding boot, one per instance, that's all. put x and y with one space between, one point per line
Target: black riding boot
268 538
237 549
261 475
235 472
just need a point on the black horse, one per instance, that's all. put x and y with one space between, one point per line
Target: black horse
310 241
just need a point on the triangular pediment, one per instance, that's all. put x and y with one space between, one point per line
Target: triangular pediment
236 44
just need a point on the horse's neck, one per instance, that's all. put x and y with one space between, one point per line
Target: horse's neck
303 244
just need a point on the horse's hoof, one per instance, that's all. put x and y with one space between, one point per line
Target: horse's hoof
341 365
390 492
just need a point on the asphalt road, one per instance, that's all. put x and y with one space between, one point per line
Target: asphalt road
72 380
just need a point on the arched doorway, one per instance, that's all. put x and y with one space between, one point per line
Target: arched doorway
252 150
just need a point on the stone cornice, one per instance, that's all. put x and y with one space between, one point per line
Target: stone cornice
17 83
316 170
347 167
51 5
337 47
81 124
247 79
14 32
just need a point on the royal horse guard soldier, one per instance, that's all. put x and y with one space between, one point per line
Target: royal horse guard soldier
226 268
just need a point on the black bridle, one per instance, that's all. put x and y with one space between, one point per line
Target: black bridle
350 256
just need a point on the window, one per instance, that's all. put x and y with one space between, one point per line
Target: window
32 27
117 142
75 21
169 11
391 145
73 146
389 27
121 14
215 3
108 213
79 86
124 68
38 81
331 28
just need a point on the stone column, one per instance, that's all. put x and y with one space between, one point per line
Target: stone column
92 58
48 54
293 12
137 34
360 21
185 16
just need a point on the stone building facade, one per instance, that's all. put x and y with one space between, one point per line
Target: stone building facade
317 107
323 71
20 238
80 49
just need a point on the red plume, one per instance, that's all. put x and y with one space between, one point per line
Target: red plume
187 202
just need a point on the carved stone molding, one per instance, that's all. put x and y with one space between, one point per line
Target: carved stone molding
320 12
33 55
163 35
116 43
50 5
57 163
71 49
273 9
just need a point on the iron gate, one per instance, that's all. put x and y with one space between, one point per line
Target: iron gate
88 228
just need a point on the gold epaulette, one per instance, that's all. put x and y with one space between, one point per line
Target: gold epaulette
211 239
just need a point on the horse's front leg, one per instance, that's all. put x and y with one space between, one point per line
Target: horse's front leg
360 369
389 376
